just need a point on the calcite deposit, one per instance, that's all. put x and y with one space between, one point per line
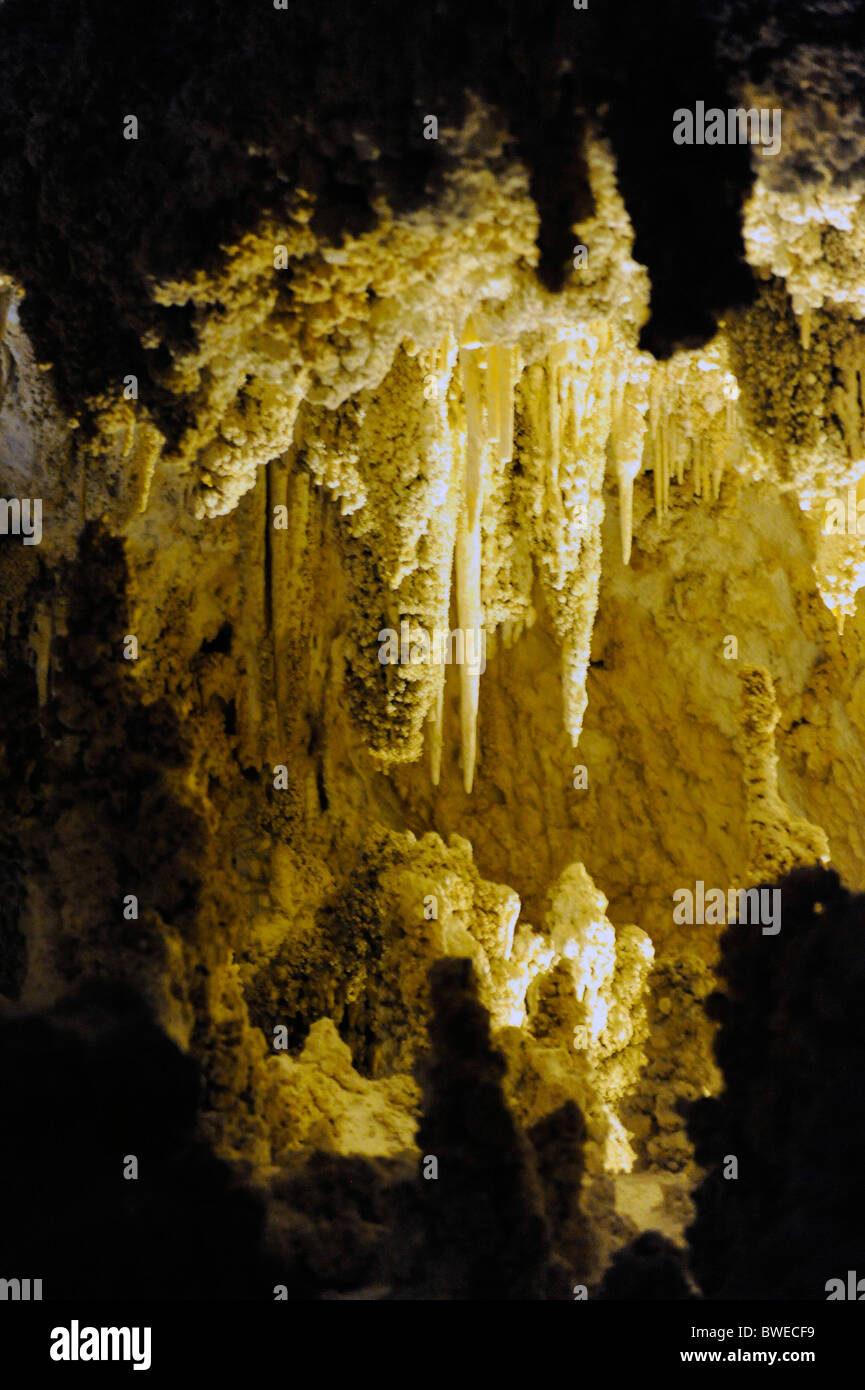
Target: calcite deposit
218 792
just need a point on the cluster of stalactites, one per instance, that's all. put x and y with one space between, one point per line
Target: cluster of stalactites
590 399
569 402
693 425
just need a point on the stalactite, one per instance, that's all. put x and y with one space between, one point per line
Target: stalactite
625 471
665 463
442 361
654 437
268 492
587 463
495 422
626 512
569 405
553 415
436 723
629 430
500 375
699 447
731 454
292 489
468 549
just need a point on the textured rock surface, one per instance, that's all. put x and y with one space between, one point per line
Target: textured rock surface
396 399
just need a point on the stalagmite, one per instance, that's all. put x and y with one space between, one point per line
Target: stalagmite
779 839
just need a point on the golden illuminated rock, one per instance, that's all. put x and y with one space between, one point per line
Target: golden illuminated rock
406 434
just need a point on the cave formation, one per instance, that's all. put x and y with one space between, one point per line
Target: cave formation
290 367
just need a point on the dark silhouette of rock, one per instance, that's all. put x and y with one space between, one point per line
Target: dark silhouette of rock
791 1046
651 1267
83 1088
485 1235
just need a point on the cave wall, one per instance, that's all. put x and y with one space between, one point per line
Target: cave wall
396 395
